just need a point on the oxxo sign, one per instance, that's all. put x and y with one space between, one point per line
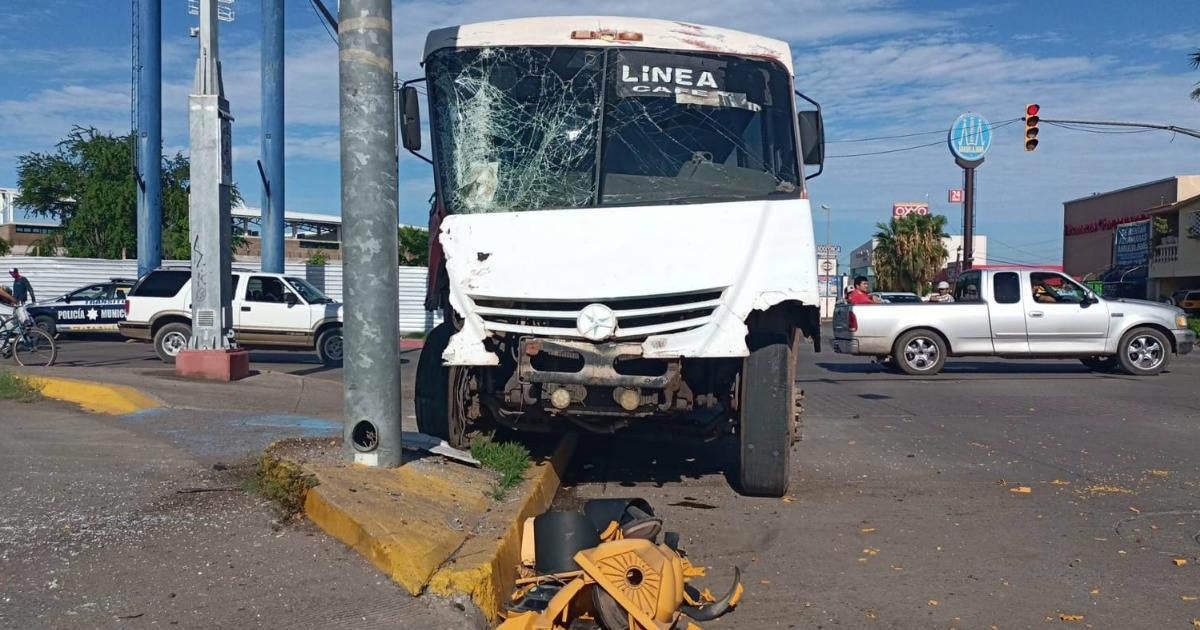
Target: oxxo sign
902 209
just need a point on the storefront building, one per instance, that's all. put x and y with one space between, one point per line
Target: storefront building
1093 224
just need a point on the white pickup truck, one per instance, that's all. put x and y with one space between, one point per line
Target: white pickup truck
270 310
1016 313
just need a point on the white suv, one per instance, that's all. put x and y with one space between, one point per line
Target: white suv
270 310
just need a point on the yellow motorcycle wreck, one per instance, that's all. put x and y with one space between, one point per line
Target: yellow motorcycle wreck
604 569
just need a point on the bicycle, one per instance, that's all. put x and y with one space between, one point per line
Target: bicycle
25 342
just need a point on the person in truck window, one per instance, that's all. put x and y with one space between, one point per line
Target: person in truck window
862 292
942 294
1042 291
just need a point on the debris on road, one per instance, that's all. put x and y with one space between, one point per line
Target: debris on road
414 441
605 566
1066 617
1104 489
1179 562
1021 489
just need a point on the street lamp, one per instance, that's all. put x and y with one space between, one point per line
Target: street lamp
828 227
1122 280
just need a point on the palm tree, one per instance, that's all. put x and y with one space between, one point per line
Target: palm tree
909 251
1195 61
884 258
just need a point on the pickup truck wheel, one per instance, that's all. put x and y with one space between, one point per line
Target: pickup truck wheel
170 340
920 353
329 347
1144 352
768 405
431 392
1101 364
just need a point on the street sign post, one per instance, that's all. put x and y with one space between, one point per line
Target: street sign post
969 139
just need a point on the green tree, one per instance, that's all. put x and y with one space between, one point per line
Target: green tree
414 246
909 252
87 185
5 247
1194 59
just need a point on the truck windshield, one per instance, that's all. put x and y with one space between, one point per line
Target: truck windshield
311 294
536 128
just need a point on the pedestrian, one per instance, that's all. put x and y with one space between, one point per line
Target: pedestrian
22 291
862 292
942 294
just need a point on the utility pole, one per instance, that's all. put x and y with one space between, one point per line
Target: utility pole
369 221
210 353
271 168
968 216
148 143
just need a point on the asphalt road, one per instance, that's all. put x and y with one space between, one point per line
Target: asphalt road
144 521
105 351
902 512
906 509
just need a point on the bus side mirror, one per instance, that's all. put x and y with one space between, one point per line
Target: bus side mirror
812 138
410 119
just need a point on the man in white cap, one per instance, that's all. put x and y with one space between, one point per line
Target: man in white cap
942 294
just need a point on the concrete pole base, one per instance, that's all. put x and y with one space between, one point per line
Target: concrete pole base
213 365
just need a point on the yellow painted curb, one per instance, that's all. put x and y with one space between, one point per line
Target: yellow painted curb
95 397
407 521
485 567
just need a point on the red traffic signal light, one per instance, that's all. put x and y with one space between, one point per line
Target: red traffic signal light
1031 126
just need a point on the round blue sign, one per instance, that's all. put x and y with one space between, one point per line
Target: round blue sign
970 137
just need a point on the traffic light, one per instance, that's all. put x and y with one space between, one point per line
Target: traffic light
1031 126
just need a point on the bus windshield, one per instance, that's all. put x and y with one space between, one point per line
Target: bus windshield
538 128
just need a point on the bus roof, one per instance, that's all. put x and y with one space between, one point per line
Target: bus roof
596 31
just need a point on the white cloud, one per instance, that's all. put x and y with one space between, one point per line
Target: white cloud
40 119
878 68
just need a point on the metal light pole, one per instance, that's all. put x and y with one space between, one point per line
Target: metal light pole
208 202
828 227
272 132
148 108
369 221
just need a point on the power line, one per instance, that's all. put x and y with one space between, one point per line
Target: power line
919 146
1113 123
905 135
1103 131
323 17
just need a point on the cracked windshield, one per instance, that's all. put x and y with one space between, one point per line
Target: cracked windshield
540 128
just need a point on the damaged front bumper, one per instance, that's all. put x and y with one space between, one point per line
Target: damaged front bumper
564 377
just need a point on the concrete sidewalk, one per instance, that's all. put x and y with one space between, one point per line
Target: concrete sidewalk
103 523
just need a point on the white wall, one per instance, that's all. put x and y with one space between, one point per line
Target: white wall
953 242
52 277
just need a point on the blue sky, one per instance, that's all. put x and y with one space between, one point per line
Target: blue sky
878 67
